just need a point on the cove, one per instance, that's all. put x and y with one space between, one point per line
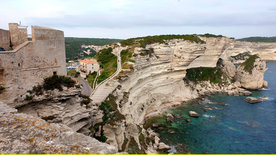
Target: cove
238 127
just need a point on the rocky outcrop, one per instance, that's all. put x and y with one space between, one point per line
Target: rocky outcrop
193 114
157 81
253 100
25 134
254 78
67 107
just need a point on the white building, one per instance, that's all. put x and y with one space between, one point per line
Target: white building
87 66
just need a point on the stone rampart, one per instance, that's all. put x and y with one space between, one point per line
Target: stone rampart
31 62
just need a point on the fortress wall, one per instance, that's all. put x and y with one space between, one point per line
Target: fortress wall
31 63
18 35
5 39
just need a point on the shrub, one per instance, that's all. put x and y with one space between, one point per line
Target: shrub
105 56
29 98
91 77
73 73
208 35
38 90
214 75
241 56
56 82
125 55
111 113
249 63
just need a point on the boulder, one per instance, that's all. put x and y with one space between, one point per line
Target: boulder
187 120
253 100
229 68
222 103
163 146
246 93
170 118
157 125
171 131
264 97
265 84
193 114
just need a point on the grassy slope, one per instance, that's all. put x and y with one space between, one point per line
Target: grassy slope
108 62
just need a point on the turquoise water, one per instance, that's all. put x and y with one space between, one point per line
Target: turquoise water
239 127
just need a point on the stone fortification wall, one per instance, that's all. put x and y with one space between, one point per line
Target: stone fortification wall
31 62
5 39
18 35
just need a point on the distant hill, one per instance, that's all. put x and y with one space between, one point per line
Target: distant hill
73 46
259 39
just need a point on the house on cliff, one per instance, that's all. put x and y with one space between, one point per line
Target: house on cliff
87 66
25 63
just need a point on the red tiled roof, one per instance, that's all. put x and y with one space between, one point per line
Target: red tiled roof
88 61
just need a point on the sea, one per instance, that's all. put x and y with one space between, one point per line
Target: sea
237 128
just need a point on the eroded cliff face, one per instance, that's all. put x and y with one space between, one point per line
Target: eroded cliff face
157 81
67 107
25 134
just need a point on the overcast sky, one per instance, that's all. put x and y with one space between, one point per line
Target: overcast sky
132 18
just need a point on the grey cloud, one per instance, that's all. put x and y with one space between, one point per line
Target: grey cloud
128 21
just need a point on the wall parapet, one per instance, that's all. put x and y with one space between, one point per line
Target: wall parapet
43 33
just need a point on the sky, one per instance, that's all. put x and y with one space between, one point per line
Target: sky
134 18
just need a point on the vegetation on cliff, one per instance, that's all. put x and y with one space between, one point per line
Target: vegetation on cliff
214 75
249 63
108 63
241 56
56 82
208 35
144 41
51 83
126 56
91 78
74 50
111 116
259 39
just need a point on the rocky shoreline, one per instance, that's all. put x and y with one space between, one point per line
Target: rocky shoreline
157 85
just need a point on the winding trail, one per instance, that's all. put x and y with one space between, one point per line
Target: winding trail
101 92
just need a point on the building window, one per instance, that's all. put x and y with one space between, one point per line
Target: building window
55 73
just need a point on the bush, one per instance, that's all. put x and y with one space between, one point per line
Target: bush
214 75
125 55
249 63
111 113
73 73
208 35
29 98
56 82
91 77
38 90
241 56
105 56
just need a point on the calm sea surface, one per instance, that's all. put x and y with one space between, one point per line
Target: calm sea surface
239 127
